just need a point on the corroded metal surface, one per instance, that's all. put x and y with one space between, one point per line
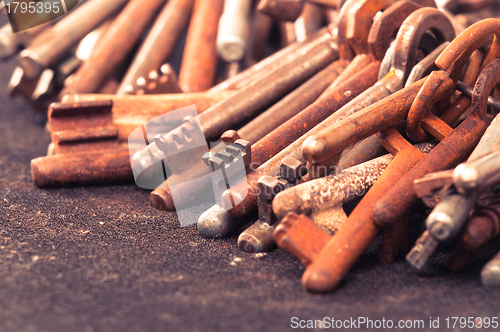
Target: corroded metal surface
245 104
70 135
331 192
240 106
463 188
351 240
277 60
101 167
330 98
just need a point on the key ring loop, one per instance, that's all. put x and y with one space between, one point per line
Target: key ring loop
451 61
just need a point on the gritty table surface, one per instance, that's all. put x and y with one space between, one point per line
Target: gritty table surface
103 259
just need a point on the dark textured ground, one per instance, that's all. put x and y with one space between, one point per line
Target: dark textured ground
102 259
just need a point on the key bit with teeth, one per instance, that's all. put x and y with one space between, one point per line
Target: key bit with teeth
178 150
70 135
330 101
84 152
301 237
450 214
228 167
258 237
130 112
423 249
238 103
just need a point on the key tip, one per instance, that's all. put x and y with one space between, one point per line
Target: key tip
31 63
162 200
490 275
313 149
249 243
318 281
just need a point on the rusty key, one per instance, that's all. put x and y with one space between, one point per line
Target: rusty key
378 40
271 167
257 238
323 146
275 61
348 244
124 113
301 237
321 275
306 46
244 104
325 196
52 79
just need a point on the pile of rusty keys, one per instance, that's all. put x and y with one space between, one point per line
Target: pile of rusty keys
318 103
